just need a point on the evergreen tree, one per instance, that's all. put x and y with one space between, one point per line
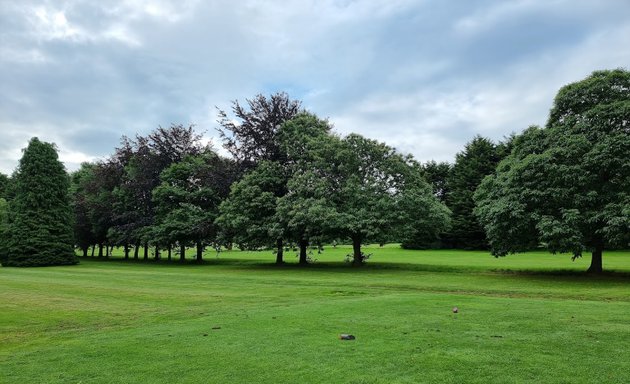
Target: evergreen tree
40 216
436 174
4 184
4 227
478 159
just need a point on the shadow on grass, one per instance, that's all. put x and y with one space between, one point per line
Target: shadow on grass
565 274
376 267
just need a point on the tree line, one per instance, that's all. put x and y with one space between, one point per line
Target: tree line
291 181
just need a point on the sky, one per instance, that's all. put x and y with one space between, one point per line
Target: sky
424 76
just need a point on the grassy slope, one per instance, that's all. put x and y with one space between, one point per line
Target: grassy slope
116 322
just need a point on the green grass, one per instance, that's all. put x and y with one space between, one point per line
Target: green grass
524 318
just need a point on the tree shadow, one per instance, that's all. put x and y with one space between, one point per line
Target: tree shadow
378 267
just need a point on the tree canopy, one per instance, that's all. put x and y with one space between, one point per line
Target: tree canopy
261 207
188 198
358 188
250 133
566 186
293 182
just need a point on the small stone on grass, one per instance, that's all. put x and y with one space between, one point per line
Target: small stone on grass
345 336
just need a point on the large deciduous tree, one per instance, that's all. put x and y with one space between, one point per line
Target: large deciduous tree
566 186
259 210
363 190
249 215
250 133
40 216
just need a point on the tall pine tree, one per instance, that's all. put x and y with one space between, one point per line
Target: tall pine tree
39 229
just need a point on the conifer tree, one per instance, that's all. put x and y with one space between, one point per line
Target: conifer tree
39 229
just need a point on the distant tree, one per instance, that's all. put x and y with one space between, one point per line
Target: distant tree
4 184
566 186
478 159
250 133
4 228
40 215
188 198
142 161
98 186
83 226
436 174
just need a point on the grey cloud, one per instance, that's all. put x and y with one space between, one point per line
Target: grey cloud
425 76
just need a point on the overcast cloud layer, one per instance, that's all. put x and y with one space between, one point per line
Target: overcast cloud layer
423 76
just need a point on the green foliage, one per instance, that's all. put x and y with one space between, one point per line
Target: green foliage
566 186
436 174
248 215
40 215
141 161
359 189
425 217
81 180
4 184
4 227
304 211
260 211
478 159
187 200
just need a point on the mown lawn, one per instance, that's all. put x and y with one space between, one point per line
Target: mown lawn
238 318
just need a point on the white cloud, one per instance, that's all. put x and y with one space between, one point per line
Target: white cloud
424 76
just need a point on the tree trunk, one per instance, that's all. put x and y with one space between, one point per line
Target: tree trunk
93 247
596 260
182 252
136 250
169 252
126 247
357 257
157 252
199 252
100 250
280 252
85 251
146 251
229 246
303 246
